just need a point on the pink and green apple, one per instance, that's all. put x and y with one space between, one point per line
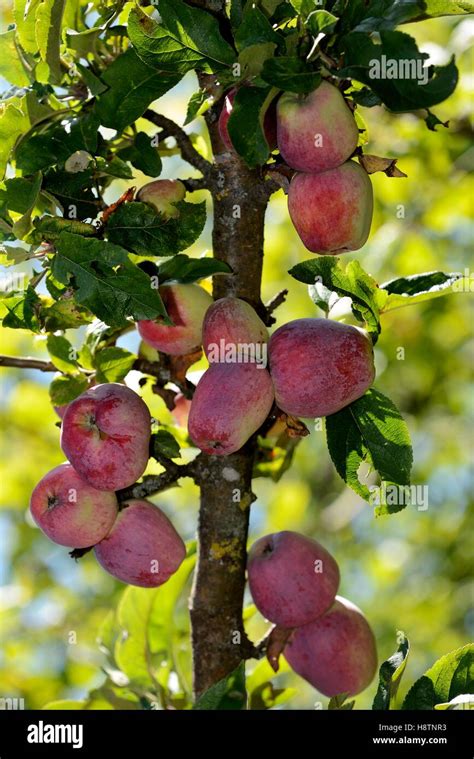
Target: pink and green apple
70 511
105 434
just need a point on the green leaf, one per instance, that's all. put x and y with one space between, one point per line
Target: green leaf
21 196
49 14
406 291
374 65
25 20
434 8
229 693
73 192
146 617
252 59
372 430
463 701
164 444
450 676
255 29
22 311
105 280
50 227
66 388
113 364
245 125
352 282
64 314
187 38
270 6
85 42
142 155
361 16
55 144
138 227
186 270
198 104
17 116
303 7
339 703
390 675
321 22
291 74
11 255
62 354
13 69
116 167
133 85
94 84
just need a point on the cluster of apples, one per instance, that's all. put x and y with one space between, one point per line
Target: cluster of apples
309 367
294 581
105 434
330 198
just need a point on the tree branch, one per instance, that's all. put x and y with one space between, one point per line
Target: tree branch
195 184
156 483
218 637
28 363
273 304
188 151
162 373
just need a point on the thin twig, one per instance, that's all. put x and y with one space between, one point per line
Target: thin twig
156 483
276 301
194 184
188 151
28 363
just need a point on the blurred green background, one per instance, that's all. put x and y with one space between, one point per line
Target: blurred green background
409 571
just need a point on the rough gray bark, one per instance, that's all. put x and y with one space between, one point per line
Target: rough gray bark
218 639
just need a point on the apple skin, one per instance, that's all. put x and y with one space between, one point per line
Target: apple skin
186 306
105 434
229 404
332 211
337 652
233 321
283 578
142 534
269 122
70 511
318 366
180 412
162 195
322 113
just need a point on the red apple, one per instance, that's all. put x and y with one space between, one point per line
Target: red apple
232 324
332 211
318 366
186 306
70 511
292 578
336 653
143 548
317 131
105 434
230 403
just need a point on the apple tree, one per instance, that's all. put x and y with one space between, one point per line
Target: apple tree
281 87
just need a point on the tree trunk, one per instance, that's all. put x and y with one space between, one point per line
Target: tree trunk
218 639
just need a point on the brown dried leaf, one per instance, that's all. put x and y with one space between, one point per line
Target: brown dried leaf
373 163
276 643
295 427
